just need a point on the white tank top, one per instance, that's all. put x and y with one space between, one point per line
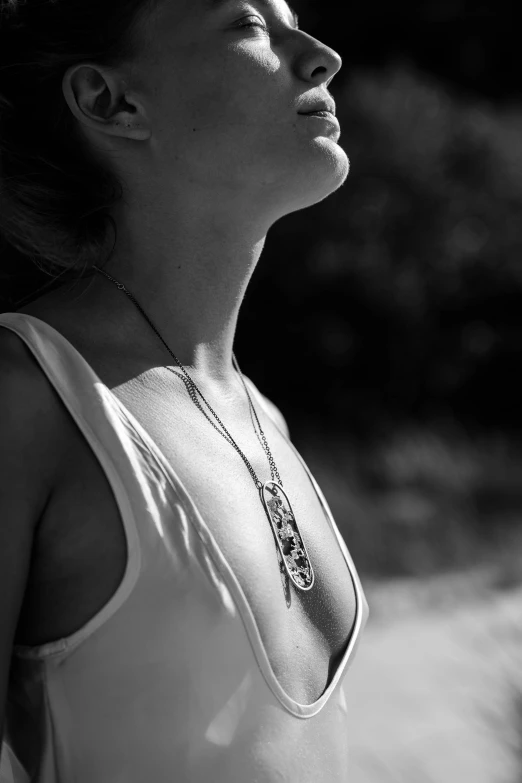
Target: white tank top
170 682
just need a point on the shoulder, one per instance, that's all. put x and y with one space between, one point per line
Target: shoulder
270 409
21 379
31 415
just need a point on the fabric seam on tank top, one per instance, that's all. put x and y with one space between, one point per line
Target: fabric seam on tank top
211 545
198 523
65 645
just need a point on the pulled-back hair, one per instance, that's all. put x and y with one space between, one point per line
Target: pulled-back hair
55 196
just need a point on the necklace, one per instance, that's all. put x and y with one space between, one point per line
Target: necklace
294 563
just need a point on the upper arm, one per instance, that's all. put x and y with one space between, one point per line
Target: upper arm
29 454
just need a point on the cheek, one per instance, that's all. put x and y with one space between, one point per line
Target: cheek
235 88
229 118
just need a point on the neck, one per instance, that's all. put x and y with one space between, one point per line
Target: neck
190 281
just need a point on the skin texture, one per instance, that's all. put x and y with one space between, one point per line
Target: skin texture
204 129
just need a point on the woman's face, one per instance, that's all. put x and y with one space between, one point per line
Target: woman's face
225 84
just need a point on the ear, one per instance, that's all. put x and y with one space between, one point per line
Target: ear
98 99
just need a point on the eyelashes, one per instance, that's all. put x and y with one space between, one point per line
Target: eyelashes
257 22
252 21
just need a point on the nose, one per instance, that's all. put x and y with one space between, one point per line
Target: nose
317 63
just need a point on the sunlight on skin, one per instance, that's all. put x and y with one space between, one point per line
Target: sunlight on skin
206 129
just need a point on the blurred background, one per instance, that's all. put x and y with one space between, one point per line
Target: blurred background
386 322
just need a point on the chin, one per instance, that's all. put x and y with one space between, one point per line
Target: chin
322 174
302 179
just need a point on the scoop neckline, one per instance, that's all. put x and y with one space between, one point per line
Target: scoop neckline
197 520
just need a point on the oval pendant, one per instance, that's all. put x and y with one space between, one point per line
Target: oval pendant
288 538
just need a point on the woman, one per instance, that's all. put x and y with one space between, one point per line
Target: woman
176 601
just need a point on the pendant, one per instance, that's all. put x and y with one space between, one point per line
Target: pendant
288 538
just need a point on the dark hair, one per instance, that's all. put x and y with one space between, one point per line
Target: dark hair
55 196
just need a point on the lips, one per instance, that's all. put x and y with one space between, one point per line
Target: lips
321 109
319 113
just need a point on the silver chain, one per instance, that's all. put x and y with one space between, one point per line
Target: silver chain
194 391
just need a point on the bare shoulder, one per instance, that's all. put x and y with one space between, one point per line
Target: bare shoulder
271 409
31 415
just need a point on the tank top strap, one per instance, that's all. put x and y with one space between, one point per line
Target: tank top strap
95 412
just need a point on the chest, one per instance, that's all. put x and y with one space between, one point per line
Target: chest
80 554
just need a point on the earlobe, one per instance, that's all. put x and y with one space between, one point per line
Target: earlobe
97 98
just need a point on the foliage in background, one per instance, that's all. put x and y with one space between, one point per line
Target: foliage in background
399 298
421 502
